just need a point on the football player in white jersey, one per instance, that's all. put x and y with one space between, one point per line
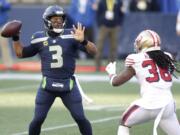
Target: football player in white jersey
153 69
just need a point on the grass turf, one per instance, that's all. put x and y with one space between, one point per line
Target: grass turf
17 105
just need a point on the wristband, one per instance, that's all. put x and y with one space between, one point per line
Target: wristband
15 38
84 42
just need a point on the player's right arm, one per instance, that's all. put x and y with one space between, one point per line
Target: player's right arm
21 51
123 76
18 48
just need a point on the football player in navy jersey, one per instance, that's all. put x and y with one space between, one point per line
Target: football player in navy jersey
57 48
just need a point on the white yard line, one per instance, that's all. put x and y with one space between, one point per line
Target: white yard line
18 88
81 77
71 125
99 107
19 76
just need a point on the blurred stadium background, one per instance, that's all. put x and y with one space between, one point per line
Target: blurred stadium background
18 86
162 21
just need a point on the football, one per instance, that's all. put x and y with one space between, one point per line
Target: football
11 28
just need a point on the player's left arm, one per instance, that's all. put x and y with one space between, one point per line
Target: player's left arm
78 33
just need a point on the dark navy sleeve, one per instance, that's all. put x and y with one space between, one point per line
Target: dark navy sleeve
80 46
29 51
32 49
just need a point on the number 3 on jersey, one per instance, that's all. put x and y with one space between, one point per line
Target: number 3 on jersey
163 73
56 56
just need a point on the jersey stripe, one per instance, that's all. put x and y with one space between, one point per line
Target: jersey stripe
155 40
129 62
67 36
128 113
37 40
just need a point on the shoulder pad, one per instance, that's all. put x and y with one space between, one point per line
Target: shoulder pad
129 61
132 59
39 36
67 31
67 34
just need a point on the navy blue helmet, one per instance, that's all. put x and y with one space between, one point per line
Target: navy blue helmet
52 11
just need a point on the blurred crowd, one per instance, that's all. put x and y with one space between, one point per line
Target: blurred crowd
103 18
128 5
106 18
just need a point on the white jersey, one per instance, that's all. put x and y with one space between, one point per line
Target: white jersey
155 83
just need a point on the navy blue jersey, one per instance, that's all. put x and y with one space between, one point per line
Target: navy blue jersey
57 54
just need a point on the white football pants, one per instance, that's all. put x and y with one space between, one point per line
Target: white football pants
136 115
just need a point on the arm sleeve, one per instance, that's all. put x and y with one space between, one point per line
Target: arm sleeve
80 46
29 51
33 48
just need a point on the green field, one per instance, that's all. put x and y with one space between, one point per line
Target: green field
17 104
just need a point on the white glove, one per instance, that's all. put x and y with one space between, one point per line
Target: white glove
111 68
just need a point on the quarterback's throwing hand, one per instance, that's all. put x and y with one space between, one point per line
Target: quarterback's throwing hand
78 32
111 68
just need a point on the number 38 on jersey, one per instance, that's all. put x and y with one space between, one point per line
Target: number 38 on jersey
156 72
